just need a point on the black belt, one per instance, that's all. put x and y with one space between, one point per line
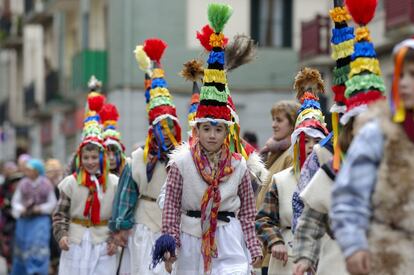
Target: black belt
221 216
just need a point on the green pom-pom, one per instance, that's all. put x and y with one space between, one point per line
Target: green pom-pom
218 15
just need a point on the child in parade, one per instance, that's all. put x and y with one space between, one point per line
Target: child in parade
80 222
209 205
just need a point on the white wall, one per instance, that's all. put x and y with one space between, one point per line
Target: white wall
197 17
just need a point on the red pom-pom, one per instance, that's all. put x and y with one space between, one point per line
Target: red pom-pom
362 10
109 112
95 102
155 48
204 37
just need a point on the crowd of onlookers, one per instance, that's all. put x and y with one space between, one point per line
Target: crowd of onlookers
11 175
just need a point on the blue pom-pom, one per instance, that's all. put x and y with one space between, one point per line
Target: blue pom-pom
216 57
309 103
158 82
363 49
341 35
165 243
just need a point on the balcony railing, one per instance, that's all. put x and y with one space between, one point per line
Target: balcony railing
398 13
87 63
36 12
315 37
10 30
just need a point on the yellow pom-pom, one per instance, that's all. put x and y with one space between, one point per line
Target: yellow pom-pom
362 33
217 40
142 58
339 14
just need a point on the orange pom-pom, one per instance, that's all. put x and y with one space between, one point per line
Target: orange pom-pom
96 101
109 112
307 96
155 48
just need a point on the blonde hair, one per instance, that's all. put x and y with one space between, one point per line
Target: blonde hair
287 107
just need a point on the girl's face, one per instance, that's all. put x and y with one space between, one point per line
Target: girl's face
112 159
281 126
31 173
407 85
310 142
90 161
211 136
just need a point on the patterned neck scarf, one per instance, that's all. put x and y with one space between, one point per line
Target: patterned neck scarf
92 206
214 170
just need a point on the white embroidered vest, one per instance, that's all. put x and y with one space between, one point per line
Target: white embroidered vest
78 195
148 212
194 187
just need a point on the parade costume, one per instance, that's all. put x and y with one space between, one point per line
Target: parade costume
273 221
85 203
373 191
317 195
112 137
209 204
145 174
313 239
32 203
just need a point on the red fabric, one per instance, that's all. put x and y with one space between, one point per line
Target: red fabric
362 11
302 148
161 110
95 102
339 93
217 112
92 206
90 140
109 112
408 125
204 37
363 98
155 48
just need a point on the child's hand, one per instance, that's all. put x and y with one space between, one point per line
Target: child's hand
279 251
359 262
257 262
302 266
168 261
121 237
111 248
64 243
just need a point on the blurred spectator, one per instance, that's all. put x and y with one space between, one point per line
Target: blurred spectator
54 172
21 161
7 221
32 204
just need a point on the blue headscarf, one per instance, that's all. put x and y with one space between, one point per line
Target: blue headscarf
37 165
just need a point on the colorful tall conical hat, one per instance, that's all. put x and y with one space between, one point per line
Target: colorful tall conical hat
92 131
193 71
365 84
310 120
109 118
161 109
214 92
342 43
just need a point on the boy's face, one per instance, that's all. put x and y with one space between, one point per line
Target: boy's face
407 85
90 161
211 136
310 142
